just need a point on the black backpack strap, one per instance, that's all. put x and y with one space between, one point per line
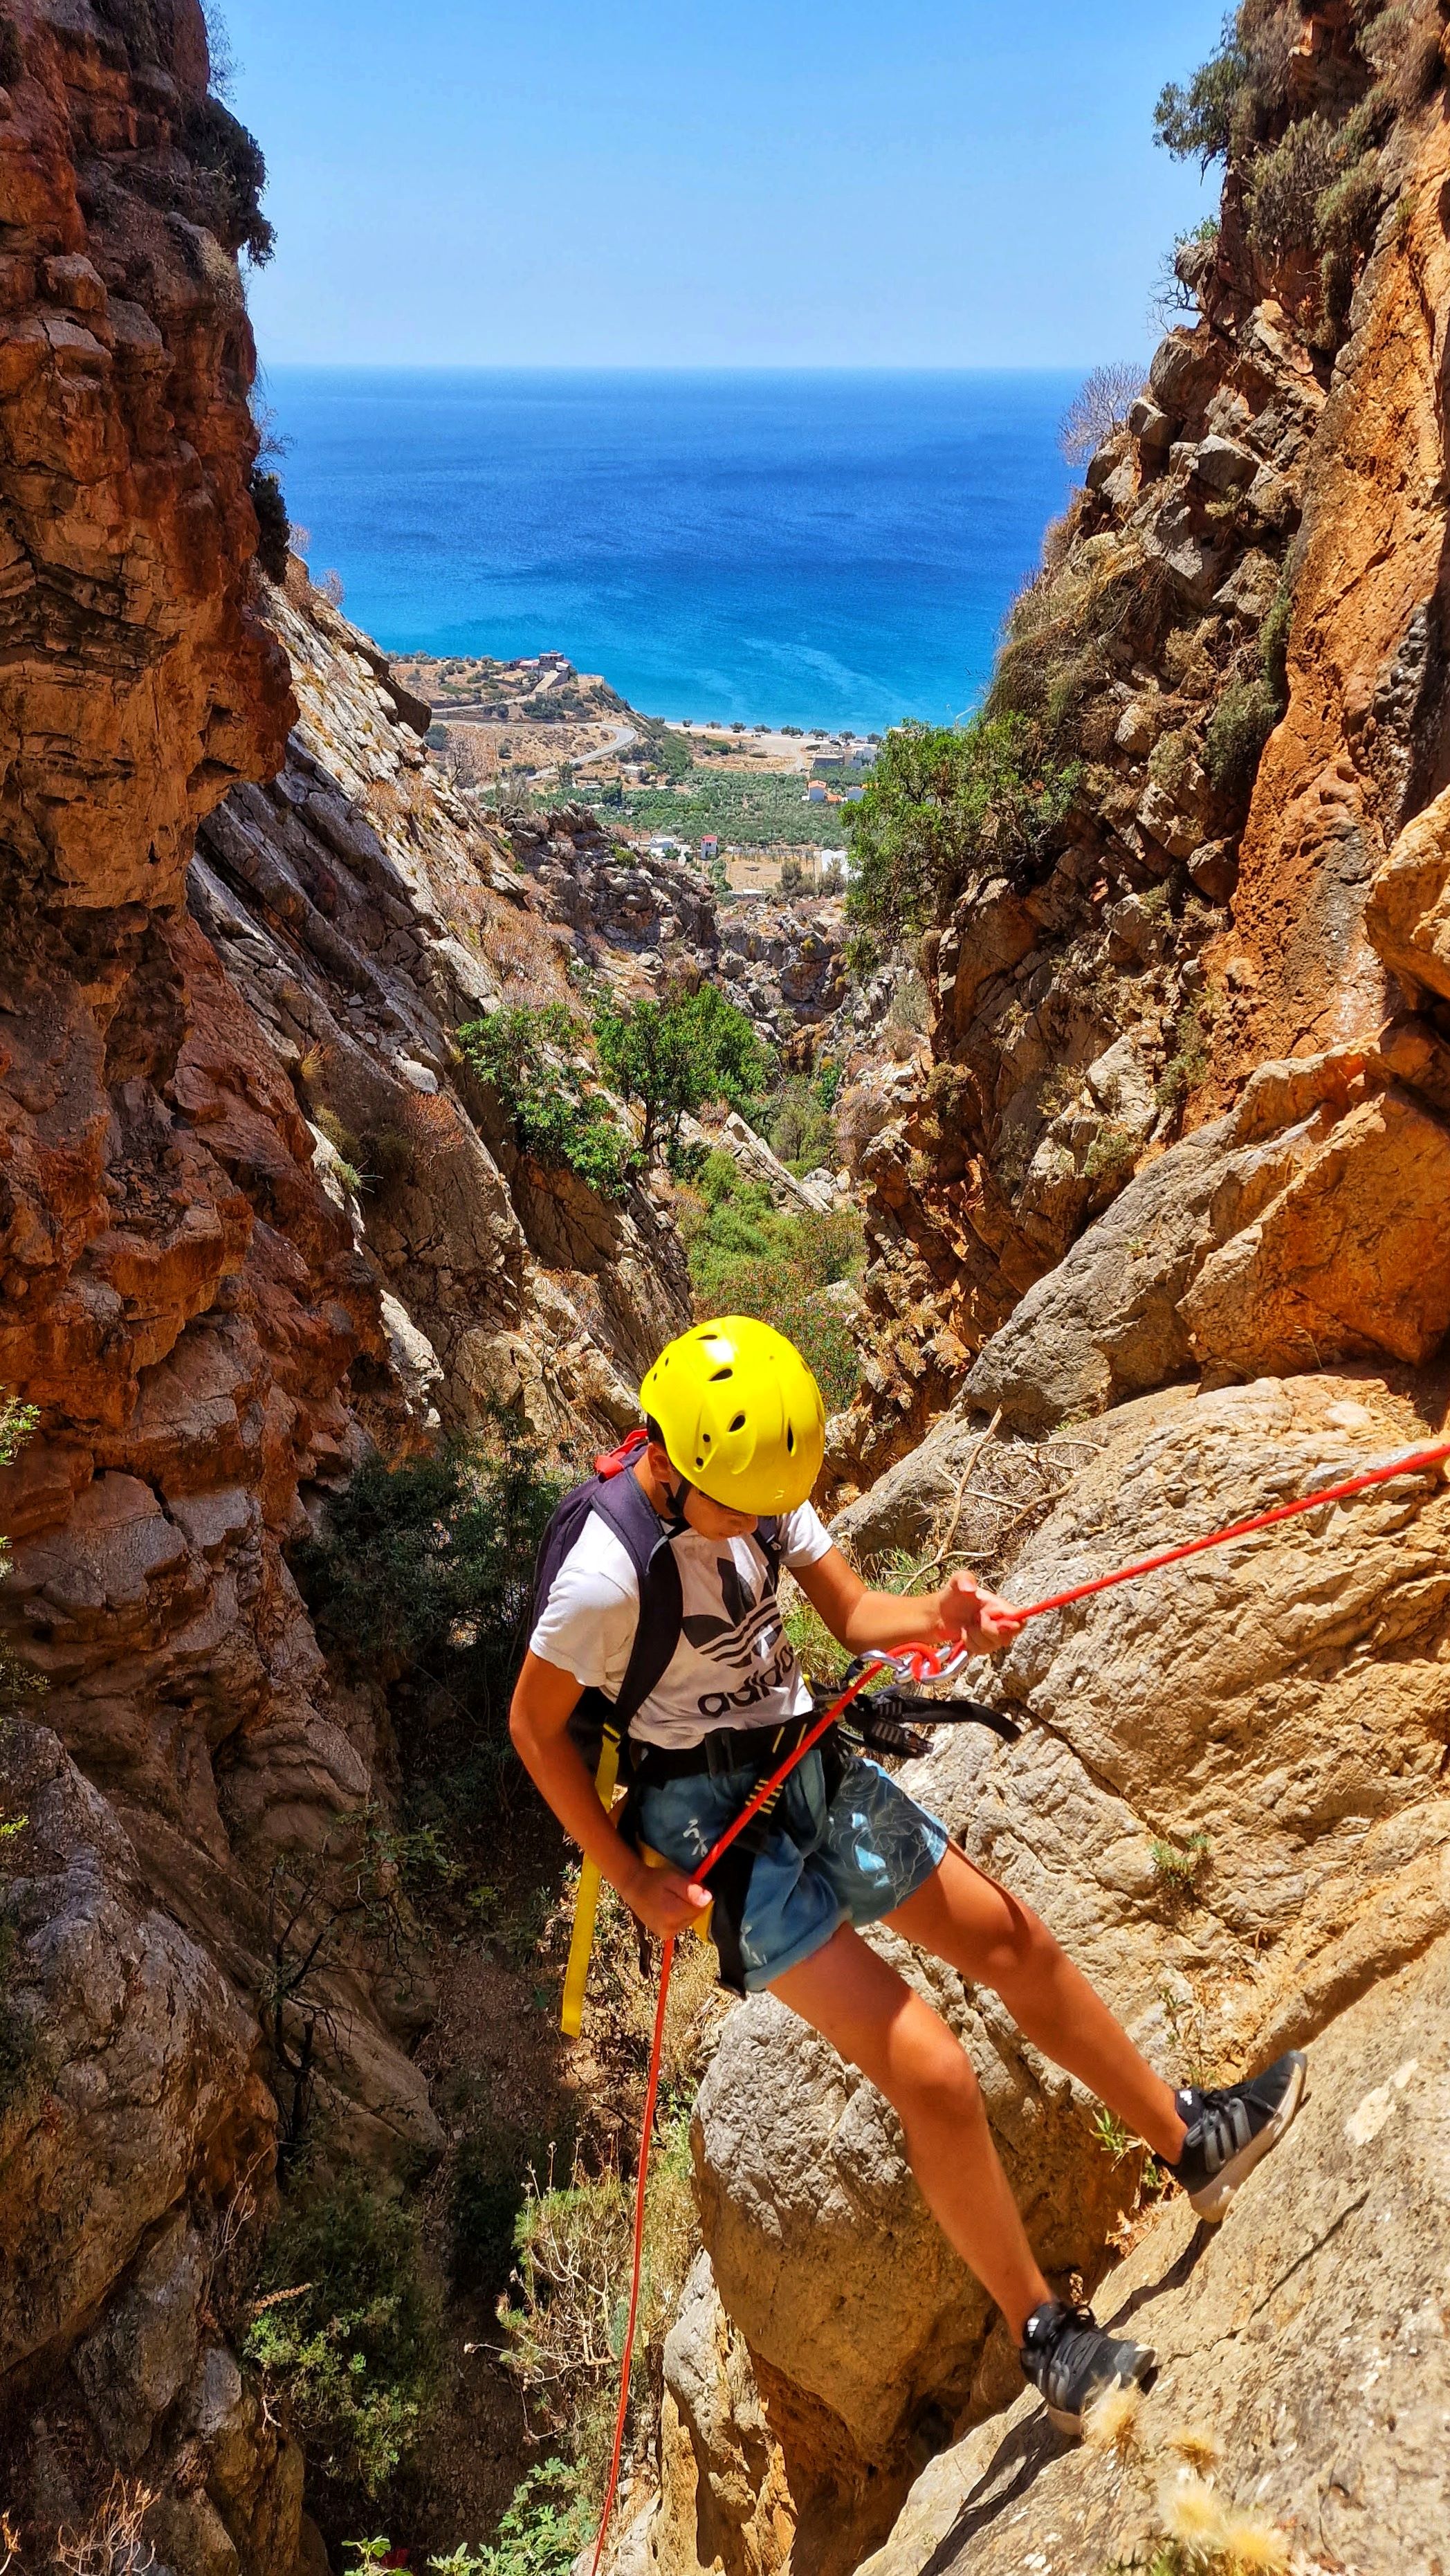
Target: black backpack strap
620 1500
648 1541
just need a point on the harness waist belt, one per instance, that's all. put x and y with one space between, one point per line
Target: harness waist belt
724 1749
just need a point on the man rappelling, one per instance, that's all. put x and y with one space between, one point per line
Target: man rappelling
658 1630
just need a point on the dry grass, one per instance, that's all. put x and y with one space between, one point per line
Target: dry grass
527 960
1194 2528
112 2543
1009 1488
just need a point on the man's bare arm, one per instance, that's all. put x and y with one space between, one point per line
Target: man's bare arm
544 1700
959 1612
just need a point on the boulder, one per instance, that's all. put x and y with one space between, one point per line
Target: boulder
1151 427
1105 1324
1301 2345
1408 914
131 2063
1172 537
903 1507
987 937
825 2254
137 2359
1214 868
724 2500
1311 1215
758 1164
1351 1260
1173 813
1140 724
1223 465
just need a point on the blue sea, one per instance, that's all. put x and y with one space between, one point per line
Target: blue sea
785 548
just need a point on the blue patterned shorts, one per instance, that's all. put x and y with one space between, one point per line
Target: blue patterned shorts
847 1860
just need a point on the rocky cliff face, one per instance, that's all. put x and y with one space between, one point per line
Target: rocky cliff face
242 920
1257 553
784 964
1159 1237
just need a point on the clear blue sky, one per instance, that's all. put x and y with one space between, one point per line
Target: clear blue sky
868 183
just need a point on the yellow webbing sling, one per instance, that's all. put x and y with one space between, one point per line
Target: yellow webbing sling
586 1903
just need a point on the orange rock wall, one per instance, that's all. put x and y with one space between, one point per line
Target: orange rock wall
1367 663
135 687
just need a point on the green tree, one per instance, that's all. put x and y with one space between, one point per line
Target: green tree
529 1059
347 2330
746 1258
1194 121
673 1056
943 799
426 1568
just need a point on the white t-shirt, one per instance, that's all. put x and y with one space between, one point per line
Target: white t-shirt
734 1664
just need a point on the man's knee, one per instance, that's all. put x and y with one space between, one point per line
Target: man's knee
1022 1952
934 2082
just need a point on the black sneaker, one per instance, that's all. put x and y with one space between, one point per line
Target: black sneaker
1231 2129
1066 2355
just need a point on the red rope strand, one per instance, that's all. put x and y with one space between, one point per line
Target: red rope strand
924 1657
1420 1458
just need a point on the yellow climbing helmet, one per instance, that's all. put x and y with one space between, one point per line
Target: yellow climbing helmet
739 1413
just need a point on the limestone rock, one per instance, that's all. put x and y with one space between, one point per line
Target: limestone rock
1286 1700
901 1508
1310 1217
1408 913
724 2499
1351 1259
825 2255
1224 465
1305 2338
1151 427
125 486
134 2069
758 1165
134 2364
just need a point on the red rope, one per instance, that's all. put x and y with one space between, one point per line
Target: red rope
667 1961
1241 1529
923 1659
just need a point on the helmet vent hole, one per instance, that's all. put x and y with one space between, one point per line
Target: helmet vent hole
717 1374
790 1442
739 1422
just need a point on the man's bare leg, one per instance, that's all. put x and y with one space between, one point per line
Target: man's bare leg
992 1939
872 2017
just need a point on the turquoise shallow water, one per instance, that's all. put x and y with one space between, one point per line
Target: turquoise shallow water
784 548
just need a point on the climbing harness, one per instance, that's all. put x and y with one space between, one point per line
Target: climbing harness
918 1664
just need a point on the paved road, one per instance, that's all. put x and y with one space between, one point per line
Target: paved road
464 715
625 735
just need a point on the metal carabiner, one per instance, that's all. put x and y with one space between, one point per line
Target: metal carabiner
920 1664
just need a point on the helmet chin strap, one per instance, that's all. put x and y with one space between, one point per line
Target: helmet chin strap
675 1494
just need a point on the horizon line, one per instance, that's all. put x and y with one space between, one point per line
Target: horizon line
665 367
